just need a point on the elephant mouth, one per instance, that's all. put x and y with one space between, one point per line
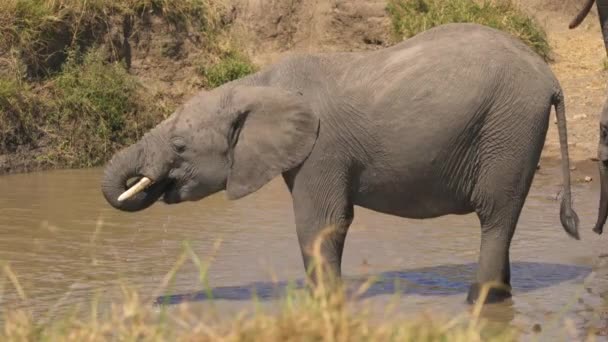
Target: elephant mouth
166 190
142 185
171 194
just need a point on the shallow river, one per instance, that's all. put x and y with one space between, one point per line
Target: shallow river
65 244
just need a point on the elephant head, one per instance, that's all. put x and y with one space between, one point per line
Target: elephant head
602 8
233 138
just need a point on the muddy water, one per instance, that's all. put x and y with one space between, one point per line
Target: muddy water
66 245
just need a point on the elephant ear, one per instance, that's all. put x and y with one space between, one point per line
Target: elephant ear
272 131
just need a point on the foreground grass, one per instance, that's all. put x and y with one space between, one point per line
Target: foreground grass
325 312
68 97
318 315
410 17
301 317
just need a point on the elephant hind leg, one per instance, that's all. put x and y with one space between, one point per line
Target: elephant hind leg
508 160
499 206
497 229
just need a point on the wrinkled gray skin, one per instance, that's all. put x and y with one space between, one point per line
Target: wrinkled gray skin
602 151
451 121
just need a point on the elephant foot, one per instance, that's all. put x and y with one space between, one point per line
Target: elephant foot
495 294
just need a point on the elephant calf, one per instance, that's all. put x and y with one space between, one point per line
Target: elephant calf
451 121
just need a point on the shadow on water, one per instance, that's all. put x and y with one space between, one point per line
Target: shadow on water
443 280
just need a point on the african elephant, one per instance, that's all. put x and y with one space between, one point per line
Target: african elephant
602 151
450 121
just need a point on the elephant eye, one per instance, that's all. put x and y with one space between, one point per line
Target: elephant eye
603 132
178 144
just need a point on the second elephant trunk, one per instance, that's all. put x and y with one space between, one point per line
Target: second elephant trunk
603 209
602 10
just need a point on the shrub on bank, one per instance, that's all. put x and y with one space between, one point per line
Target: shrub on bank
99 108
410 17
233 65
67 94
44 31
19 108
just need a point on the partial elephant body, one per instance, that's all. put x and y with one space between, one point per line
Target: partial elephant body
602 151
420 124
451 121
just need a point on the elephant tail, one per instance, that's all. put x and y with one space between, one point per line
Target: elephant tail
567 215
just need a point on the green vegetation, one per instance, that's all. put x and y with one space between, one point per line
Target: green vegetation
18 109
68 94
410 17
44 31
232 66
101 106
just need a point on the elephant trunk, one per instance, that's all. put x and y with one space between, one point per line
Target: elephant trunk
603 209
602 10
582 14
125 166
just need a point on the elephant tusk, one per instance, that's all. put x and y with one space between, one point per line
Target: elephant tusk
135 189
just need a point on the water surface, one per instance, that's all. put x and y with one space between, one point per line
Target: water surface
66 244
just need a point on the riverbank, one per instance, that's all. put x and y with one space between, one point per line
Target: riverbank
112 71
79 80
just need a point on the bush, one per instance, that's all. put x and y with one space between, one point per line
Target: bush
410 17
231 66
19 108
99 107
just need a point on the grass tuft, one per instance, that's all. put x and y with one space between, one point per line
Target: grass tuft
233 65
410 17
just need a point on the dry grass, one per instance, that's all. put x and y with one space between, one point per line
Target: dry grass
302 316
316 313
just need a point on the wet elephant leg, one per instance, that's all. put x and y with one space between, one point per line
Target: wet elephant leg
494 264
323 214
498 221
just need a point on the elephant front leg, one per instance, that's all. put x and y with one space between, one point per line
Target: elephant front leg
321 246
322 222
